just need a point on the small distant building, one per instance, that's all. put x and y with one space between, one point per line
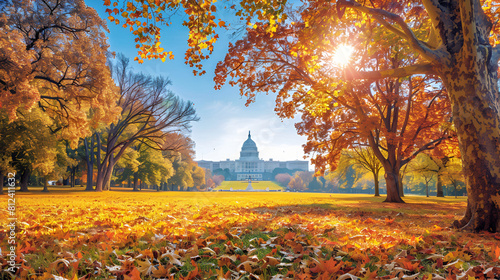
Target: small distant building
249 166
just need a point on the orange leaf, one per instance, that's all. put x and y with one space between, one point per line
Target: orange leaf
134 274
332 266
290 235
496 253
437 228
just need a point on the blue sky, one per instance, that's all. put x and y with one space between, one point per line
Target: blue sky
224 119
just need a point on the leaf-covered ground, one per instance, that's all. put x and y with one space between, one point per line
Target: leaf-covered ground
181 235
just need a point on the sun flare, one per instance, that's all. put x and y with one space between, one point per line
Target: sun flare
342 55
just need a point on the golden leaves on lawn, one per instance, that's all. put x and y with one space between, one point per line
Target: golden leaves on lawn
283 236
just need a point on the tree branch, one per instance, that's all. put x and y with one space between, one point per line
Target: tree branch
417 69
429 146
405 31
468 21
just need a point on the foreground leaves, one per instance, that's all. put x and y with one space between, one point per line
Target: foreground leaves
121 235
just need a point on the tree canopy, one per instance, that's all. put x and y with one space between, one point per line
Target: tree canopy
53 54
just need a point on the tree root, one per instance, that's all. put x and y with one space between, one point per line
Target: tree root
466 222
469 226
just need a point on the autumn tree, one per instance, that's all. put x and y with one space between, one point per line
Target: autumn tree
452 175
218 179
396 118
53 55
150 114
346 177
444 156
209 182
198 175
188 175
10 141
283 179
300 181
153 168
364 160
32 147
462 49
55 164
182 179
423 170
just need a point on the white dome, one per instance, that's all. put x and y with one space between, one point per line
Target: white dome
249 150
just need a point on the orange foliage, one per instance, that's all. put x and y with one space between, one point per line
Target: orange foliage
144 17
53 54
397 118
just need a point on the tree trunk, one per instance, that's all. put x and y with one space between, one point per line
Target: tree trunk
72 176
427 188
89 158
104 174
24 180
45 189
439 186
391 168
375 180
100 165
473 90
107 174
392 186
455 183
401 186
136 182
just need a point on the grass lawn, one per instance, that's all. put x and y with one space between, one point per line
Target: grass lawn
256 185
121 234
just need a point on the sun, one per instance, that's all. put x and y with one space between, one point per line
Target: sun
342 55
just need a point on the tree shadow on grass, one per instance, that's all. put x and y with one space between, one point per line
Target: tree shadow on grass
356 207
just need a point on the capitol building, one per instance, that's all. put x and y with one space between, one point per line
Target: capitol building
249 166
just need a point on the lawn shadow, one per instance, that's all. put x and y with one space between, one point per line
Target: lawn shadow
368 206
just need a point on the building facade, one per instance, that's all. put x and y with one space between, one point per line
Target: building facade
249 166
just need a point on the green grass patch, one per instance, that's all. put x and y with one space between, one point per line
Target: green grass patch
256 185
